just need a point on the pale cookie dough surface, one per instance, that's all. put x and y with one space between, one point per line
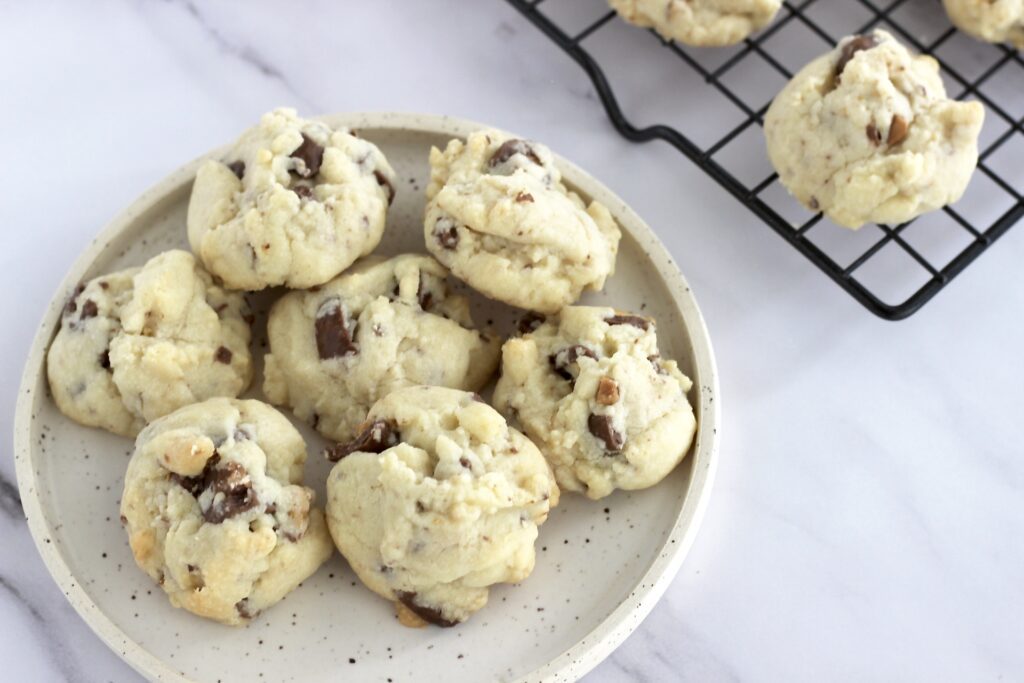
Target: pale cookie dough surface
866 134
140 343
380 326
706 23
590 388
499 217
436 501
215 512
995 21
293 203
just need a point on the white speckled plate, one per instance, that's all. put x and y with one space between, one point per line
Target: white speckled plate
601 566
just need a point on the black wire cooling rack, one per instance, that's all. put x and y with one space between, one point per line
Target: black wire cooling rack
720 95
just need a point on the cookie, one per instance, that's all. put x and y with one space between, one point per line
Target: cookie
866 133
499 217
293 203
215 512
590 388
437 500
706 23
381 326
140 343
994 21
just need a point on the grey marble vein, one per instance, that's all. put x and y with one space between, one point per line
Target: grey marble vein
69 671
243 52
10 501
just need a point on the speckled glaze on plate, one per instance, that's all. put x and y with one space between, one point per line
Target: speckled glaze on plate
601 565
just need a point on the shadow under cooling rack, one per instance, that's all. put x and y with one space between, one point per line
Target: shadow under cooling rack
719 96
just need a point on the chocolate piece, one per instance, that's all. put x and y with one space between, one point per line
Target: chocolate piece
607 391
627 319
89 309
311 155
105 360
529 322
898 130
375 437
464 461
509 149
423 295
234 483
524 197
383 181
304 191
431 615
333 336
601 427
561 360
874 135
446 233
72 304
238 168
242 606
655 360
231 480
851 48
223 355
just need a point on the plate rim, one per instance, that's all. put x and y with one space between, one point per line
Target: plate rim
620 622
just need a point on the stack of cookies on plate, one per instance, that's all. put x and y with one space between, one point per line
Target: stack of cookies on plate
435 495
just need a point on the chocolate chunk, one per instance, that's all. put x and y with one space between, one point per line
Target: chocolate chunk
464 461
230 485
898 130
634 320
855 45
383 181
423 295
376 437
607 391
509 149
270 509
223 355
89 309
304 191
655 360
874 135
561 360
446 233
311 155
105 360
529 322
524 198
334 338
431 615
238 168
233 482
104 285
72 304
242 606
601 427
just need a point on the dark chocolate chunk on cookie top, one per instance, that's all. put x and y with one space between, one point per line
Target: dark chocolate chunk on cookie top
431 615
446 233
530 322
601 427
238 168
627 319
375 437
509 149
311 155
334 337
855 45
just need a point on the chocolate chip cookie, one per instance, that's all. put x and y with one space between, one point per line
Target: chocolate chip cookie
705 23
293 203
500 218
215 512
591 389
381 326
994 21
140 343
866 133
436 500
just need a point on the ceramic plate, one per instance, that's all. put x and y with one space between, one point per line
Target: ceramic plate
601 565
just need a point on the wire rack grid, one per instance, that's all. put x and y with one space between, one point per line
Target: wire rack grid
891 270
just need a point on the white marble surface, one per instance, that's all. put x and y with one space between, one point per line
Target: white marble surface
867 521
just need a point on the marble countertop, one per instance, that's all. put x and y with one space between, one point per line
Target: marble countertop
867 517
